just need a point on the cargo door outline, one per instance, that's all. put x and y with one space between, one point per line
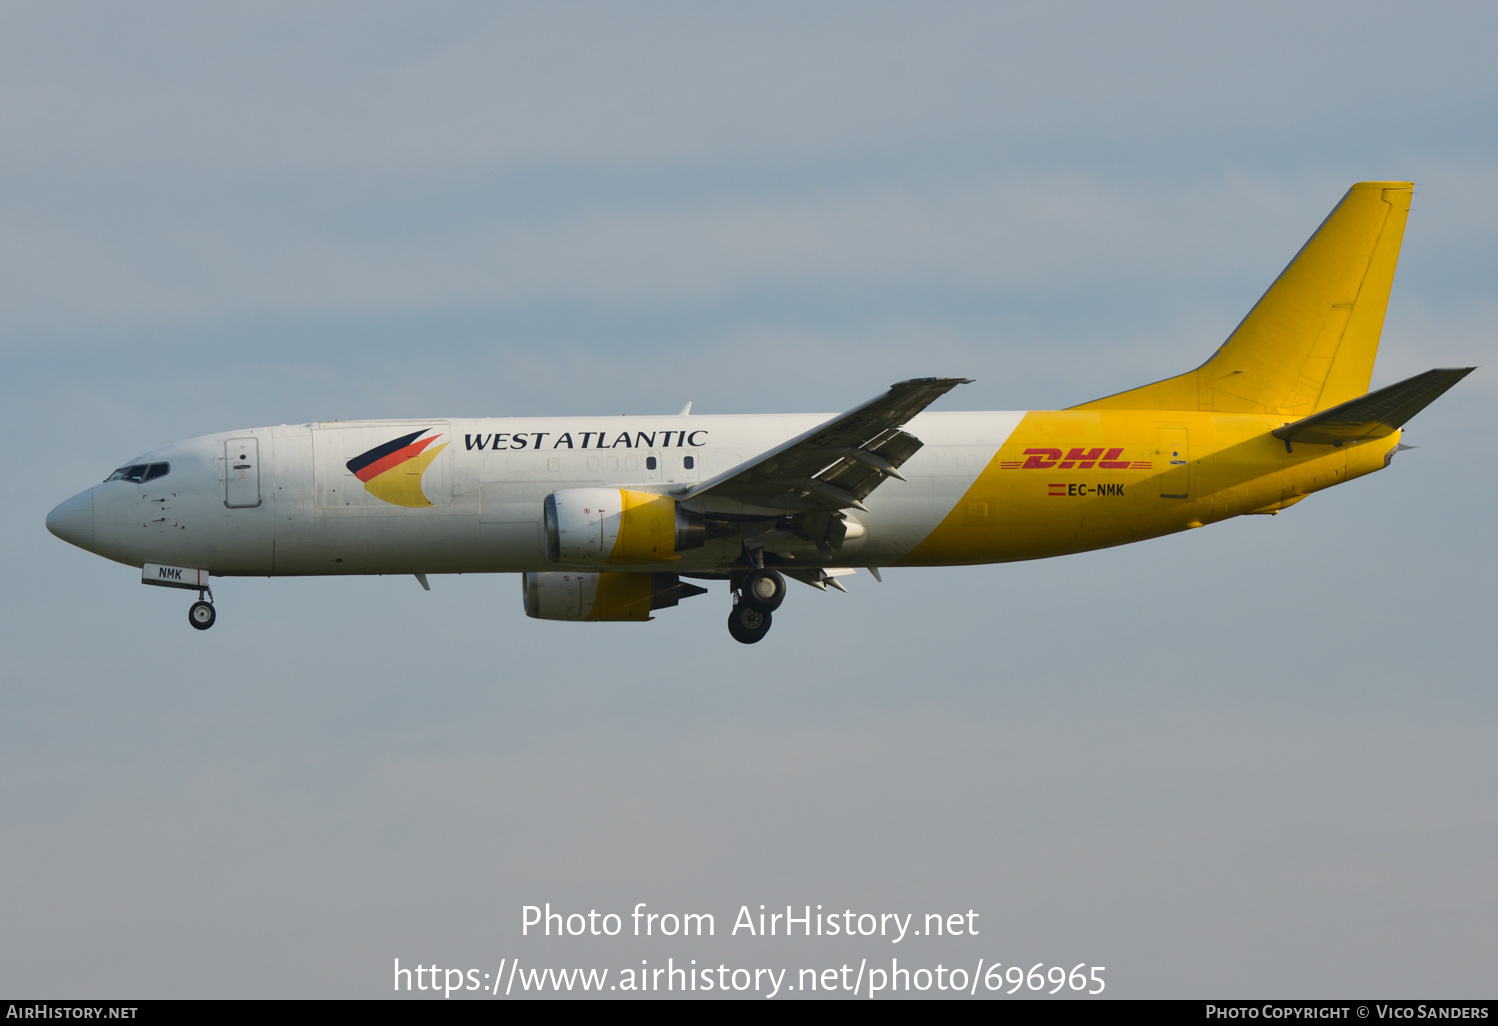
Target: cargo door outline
1175 482
242 473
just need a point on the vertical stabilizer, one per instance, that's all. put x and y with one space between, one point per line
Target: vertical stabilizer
1310 342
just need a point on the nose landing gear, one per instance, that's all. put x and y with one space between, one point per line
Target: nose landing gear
201 615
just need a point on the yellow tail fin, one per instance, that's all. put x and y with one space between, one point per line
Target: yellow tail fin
1310 342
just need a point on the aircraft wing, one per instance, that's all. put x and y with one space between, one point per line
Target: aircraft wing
837 464
1379 413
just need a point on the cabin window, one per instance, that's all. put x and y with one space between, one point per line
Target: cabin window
688 462
136 473
649 462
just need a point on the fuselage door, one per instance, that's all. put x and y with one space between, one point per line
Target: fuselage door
242 473
690 463
1175 481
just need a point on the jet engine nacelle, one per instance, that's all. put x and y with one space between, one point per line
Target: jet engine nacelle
601 597
615 526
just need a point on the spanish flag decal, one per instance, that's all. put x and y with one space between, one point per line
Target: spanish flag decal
392 472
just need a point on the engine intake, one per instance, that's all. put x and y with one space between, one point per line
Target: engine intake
618 527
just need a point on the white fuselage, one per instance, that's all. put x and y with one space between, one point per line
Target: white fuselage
284 502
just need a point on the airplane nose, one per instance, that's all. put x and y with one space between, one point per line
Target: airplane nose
73 521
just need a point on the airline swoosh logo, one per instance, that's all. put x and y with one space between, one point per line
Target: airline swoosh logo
392 472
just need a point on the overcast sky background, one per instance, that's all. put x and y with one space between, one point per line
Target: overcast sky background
1254 760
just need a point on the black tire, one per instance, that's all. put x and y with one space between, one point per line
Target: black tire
747 624
201 615
768 582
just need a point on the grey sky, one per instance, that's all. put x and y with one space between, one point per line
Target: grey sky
1254 759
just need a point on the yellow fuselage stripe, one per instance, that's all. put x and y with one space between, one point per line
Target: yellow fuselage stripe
1073 480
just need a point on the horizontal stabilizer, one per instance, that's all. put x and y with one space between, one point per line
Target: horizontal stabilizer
1376 414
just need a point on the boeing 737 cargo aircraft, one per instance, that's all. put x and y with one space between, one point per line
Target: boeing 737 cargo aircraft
610 518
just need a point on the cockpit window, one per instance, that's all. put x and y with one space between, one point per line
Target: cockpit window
136 473
140 472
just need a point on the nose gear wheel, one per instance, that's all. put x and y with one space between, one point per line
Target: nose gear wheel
201 615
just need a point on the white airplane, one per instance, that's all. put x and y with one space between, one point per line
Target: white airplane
609 518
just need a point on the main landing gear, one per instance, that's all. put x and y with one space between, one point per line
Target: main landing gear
747 624
753 603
